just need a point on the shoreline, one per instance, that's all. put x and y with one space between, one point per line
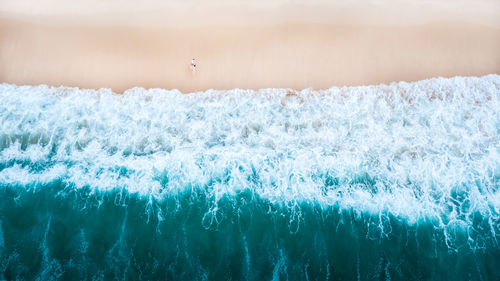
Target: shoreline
291 53
288 92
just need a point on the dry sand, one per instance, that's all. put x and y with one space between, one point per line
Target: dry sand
290 52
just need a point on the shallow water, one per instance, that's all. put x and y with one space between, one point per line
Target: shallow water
391 182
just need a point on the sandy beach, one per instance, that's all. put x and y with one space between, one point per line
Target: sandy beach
283 48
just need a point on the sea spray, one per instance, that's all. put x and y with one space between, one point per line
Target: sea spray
391 182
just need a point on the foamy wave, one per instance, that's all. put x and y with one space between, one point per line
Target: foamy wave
428 149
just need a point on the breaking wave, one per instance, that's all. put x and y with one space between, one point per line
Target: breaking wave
393 181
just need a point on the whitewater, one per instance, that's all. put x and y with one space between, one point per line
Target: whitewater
386 182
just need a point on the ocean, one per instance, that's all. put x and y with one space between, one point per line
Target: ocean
386 182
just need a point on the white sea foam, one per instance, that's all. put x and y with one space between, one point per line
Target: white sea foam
424 149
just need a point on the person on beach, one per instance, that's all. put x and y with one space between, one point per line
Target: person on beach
193 65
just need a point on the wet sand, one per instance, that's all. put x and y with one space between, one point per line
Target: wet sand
284 53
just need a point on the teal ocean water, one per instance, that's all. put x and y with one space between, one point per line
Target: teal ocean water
388 182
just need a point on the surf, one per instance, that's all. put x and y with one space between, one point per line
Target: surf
354 172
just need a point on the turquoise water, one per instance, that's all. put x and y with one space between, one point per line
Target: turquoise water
388 182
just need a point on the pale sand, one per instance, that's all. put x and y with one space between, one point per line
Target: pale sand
287 53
